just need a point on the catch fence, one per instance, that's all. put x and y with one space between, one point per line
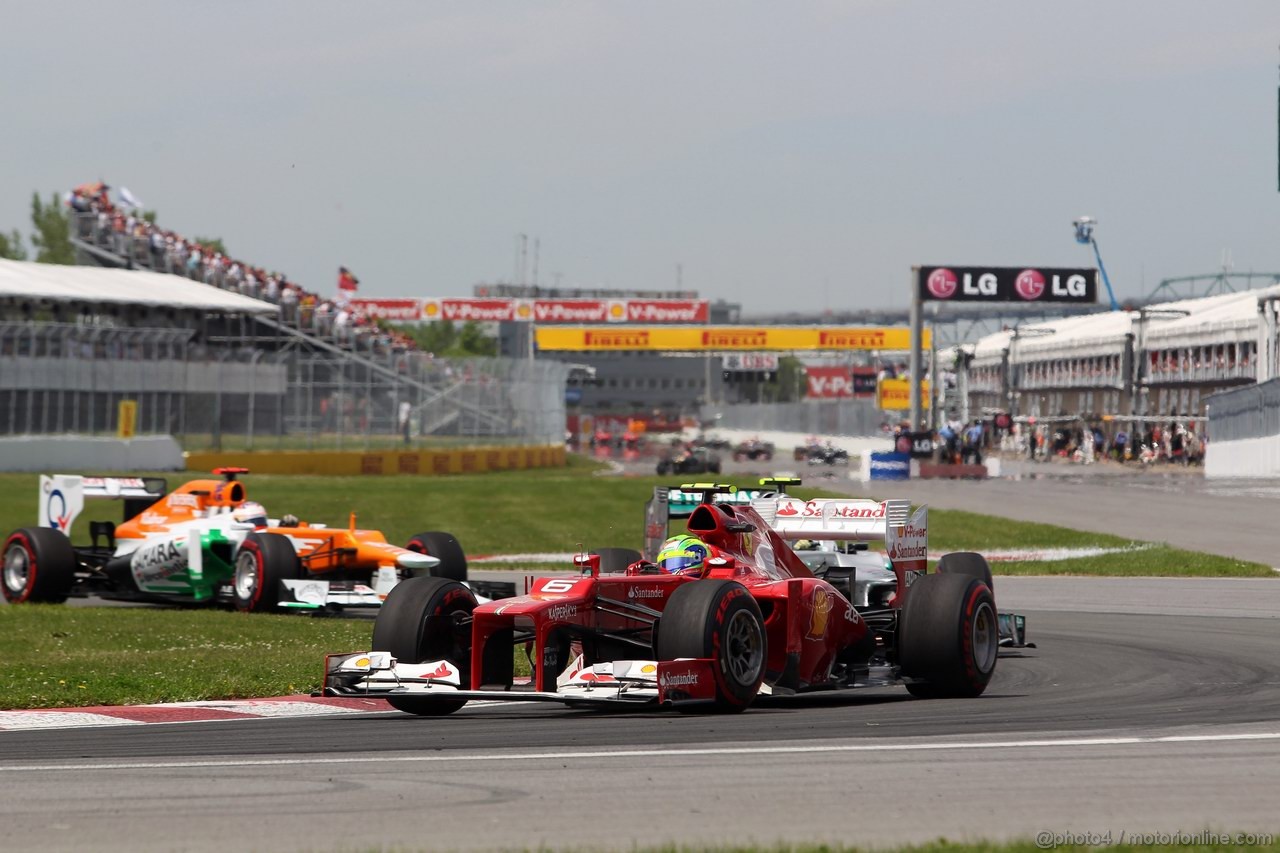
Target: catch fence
62 378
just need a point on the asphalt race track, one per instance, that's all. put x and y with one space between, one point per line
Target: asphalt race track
1133 721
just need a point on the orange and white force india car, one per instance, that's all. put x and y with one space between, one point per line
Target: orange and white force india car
756 621
205 541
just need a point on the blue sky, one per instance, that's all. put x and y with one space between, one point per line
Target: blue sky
783 155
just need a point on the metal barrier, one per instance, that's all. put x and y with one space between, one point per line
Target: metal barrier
812 417
61 378
1251 411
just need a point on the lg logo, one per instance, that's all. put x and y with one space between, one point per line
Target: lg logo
943 284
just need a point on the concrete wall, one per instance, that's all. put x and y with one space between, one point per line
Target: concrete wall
72 454
1243 457
470 460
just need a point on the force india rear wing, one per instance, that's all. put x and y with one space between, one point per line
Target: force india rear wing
62 496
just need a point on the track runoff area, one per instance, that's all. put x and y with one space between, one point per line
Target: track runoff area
1148 706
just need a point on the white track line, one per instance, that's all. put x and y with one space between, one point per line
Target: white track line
652 753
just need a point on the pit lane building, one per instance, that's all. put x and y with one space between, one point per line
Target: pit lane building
1157 360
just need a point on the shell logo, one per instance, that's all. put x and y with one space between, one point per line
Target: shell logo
617 311
649 668
430 310
523 311
362 662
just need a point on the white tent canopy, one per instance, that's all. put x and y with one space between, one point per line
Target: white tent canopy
97 285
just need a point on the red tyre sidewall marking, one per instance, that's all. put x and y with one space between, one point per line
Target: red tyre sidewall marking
721 678
970 611
31 566
252 548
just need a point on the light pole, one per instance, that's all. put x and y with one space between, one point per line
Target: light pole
1084 234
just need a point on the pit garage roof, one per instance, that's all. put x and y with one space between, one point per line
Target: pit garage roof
1222 319
98 285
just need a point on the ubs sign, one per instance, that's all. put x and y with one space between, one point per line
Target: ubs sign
1007 284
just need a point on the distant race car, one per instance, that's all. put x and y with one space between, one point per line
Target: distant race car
826 454
757 622
204 542
698 460
753 450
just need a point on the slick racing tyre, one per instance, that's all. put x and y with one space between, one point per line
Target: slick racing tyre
664 468
967 563
39 566
614 561
717 619
262 562
949 637
426 619
442 546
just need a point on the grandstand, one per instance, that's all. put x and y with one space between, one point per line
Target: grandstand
220 353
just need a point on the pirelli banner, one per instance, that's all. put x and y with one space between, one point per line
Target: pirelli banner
895 394
721 338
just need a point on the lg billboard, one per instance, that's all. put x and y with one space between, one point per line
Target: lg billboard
1007 284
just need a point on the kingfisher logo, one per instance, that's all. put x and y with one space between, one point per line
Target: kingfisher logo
942 283
630 339
853 339
736 339
1029 284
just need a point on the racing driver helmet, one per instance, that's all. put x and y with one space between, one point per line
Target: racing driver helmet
250 512
684 555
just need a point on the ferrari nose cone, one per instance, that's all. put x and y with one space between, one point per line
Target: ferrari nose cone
414 560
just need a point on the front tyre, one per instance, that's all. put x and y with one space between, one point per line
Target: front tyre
717 619
264 559
445 548
426 619
949 637
39 566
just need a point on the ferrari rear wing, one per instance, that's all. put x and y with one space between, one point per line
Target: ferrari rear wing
62 496
832 518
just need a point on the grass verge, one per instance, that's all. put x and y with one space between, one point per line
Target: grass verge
559 510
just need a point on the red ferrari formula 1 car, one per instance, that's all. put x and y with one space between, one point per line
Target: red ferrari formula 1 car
753 621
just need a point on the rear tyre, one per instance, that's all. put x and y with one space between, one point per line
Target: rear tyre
39 566
426 619
264 559
717 619
949 637
967 563
445 548
664 468
614 561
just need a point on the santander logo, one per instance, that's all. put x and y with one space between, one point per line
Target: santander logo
1029 284
942 283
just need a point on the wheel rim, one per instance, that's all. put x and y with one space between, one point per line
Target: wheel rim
743 650
17 568
985 638
246 575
